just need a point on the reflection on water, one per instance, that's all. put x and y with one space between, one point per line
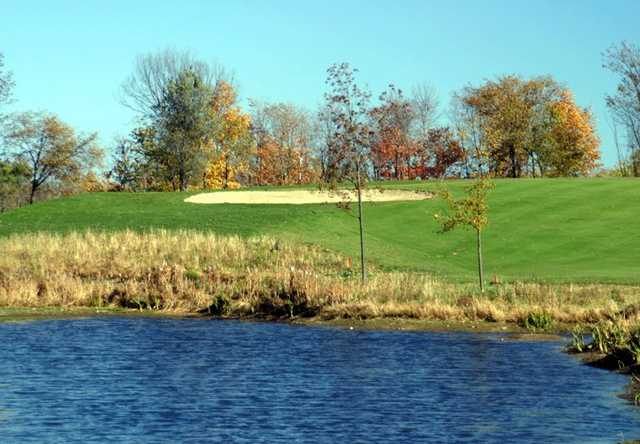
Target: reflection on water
170 380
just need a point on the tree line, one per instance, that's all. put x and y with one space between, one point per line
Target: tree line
192 132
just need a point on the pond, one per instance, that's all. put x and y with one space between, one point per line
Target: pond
131 380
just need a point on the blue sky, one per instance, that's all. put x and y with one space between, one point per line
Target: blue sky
70 57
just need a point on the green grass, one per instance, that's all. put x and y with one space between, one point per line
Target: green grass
552 230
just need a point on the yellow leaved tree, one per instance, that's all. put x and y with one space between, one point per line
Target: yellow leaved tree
232 143
573 138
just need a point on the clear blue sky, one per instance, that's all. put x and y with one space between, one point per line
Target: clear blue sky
70 57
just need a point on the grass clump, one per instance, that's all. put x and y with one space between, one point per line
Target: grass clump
221 305
539 321
614 345
618 342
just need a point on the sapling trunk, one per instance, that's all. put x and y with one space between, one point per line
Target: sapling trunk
480 264
363 271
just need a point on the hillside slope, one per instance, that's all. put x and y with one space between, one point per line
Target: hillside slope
556 230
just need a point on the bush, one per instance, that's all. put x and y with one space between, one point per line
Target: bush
537 322
220 306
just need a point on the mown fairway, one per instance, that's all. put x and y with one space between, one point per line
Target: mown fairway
555 230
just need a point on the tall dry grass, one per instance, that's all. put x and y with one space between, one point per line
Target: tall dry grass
191 271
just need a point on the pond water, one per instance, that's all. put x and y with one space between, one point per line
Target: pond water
132 380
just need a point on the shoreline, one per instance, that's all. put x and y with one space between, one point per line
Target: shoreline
28 314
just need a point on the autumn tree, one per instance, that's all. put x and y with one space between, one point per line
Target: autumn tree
441 155
283 134
349 147
524 126
232 143
392 146
51 149
265 167
180 102
624 61
507 109
572 143
470 211
230 153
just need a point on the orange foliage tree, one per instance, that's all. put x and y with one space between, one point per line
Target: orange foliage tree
283 135
441 155
392 149
574 143
231 144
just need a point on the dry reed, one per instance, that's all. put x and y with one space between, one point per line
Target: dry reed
195 272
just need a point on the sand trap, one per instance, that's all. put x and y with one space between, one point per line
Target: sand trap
299 197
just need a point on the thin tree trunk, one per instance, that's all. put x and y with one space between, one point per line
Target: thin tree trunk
32 195
533 166
396 166
467 168
182 179
226 174
363 272
512 154
183 182
480 264
480 164
540 168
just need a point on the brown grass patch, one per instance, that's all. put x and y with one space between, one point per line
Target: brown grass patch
194 272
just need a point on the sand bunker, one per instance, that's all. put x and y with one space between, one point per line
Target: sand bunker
300 197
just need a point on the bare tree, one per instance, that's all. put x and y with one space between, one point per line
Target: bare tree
322 136
424 105
143 91
467 126
624 60
622 161
349 147
6 82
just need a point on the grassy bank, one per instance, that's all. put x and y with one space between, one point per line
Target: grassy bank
613 345
549 230
190 272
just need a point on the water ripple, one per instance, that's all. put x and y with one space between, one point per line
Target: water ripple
131 380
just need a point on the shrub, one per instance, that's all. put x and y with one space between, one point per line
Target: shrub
539 321
220 306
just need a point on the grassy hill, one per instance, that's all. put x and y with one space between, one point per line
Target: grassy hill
553 230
